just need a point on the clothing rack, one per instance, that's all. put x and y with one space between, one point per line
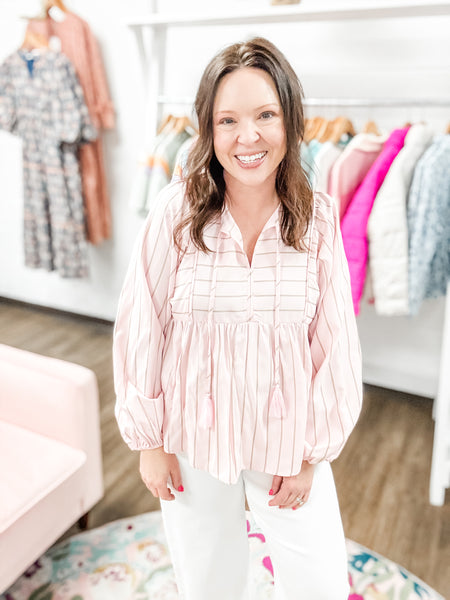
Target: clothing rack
440 467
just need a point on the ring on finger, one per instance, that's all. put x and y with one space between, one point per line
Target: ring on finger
299 501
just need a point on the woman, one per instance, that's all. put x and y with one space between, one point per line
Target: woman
237 360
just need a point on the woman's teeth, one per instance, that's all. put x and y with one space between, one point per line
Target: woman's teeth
252 158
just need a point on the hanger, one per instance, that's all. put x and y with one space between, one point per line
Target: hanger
342 126
309 124
34 41
167 123
184 123
320 132
313 125
327 132
371 127
49 4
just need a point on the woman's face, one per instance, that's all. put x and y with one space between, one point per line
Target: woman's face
248 126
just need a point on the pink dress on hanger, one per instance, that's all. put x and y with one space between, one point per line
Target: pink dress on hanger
352 166
354 222
80 46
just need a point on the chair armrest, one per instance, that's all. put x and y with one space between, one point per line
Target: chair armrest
52 397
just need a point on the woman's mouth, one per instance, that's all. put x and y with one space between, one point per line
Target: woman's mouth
251 160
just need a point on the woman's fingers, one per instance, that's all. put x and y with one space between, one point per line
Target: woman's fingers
293 493
276 484
164 493
175 475
290 500
156 467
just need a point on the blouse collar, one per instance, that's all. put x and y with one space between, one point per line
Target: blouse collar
229 227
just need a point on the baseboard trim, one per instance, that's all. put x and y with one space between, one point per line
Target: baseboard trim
54 311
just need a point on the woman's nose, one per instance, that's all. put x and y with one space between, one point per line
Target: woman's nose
248 132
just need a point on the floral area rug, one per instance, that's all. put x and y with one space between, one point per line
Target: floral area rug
128 560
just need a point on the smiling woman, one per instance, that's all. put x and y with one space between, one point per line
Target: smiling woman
249 143
249 138
260 61
233 321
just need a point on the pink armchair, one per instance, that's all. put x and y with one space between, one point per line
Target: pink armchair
50 455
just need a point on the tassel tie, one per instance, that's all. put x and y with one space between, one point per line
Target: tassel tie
277 406
207 406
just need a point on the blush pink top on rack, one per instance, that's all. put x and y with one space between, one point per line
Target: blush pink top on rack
238 366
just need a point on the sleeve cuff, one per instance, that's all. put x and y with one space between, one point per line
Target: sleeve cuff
106 116
140 419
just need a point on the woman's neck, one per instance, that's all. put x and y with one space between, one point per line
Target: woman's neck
250 200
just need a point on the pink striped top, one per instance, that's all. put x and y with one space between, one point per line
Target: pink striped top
238 366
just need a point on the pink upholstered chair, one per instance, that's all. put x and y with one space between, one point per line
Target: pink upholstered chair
50 454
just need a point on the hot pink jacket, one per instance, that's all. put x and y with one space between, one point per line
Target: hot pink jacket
354 222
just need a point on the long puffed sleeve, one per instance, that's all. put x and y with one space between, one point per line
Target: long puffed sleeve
72 123
336 388
139 333
102 106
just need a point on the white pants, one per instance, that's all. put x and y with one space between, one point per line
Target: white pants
207 536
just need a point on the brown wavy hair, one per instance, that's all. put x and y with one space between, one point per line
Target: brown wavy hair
205 185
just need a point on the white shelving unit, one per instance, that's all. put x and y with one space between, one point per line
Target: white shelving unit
300 12
151 34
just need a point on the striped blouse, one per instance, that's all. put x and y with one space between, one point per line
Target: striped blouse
238 366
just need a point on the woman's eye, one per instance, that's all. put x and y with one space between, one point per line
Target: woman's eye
226 121
266 115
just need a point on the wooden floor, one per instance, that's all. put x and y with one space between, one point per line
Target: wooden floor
382 476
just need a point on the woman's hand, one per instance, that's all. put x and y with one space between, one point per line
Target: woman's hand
286 490
156 466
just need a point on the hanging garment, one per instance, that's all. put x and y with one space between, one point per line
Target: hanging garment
181 158
141 181
202 341
354 222
314 148
42 102
324 161
158 167
429 224
352 166
164 164
307 161
80 46
387 230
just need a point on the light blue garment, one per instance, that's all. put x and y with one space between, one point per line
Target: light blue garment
306 159
314 148
429 224
309 152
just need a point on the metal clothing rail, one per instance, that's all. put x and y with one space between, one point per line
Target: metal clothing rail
379 102
343 102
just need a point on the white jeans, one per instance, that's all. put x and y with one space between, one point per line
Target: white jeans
207 536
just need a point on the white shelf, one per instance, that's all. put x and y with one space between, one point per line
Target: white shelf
298 13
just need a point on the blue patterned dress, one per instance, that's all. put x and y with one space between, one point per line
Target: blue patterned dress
429 224
41 101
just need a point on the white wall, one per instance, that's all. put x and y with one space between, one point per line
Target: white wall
96 296
380 58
